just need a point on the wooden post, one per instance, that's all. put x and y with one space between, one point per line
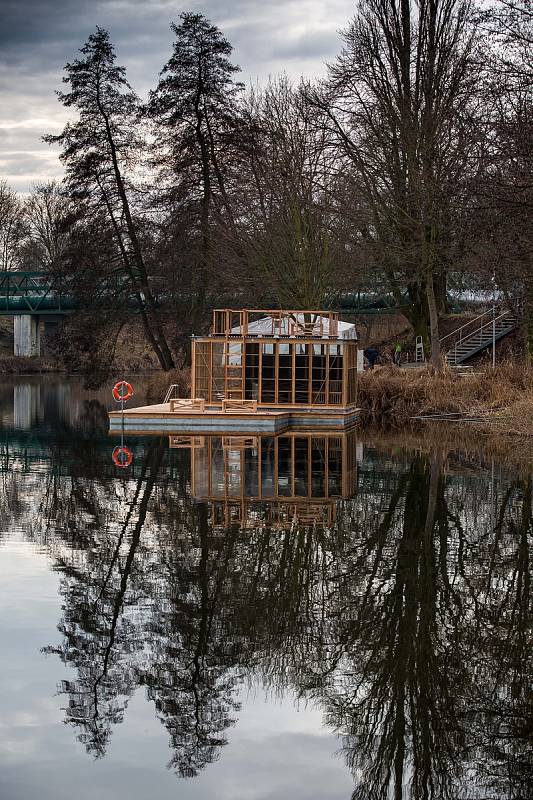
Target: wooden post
276 372
310 354
193 368
327 363
260 374
345 362
292 350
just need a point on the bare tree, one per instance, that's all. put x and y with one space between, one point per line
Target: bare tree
396 99
45 212
288 226
12 228
503 189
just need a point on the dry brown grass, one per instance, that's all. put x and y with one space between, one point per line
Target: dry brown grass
504 397
19 365
517 418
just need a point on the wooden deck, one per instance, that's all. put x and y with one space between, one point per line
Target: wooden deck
189 419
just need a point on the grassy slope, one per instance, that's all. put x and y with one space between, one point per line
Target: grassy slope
504 397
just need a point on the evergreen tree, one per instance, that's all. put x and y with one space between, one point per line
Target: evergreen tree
194 113
99 151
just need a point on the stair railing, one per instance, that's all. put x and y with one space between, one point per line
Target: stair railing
461 331
172 393
463 334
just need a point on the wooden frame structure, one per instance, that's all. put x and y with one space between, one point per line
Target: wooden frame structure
276 359
293 477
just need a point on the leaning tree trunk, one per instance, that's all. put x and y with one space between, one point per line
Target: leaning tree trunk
140 282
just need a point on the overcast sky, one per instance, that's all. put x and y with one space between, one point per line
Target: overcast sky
37 38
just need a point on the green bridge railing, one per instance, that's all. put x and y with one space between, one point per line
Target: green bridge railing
32 293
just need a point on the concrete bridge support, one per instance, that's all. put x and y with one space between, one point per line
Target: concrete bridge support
27 335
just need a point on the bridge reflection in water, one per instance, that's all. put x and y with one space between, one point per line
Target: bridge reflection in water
391 594
33 403
274 480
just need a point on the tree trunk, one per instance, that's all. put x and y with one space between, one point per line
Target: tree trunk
436 358
417 313
140 282
199 303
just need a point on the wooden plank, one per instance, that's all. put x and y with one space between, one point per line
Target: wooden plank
309 465
210 372
293 465
260 378
193 368
310 352
185 441
326 470
328 363
345 356
259 461
276 373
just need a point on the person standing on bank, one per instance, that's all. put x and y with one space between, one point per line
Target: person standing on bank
372 356
398 354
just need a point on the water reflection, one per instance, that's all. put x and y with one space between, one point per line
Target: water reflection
394 592
276 480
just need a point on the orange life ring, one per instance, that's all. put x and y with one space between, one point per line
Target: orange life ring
117 394
122 456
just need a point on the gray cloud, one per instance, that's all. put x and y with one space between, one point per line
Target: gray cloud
37 38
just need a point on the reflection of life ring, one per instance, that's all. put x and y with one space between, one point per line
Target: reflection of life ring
122 456
119 395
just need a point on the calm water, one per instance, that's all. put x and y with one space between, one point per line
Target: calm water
257 619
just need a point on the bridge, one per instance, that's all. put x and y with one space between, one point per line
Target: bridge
28 297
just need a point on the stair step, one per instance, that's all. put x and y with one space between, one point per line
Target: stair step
478 340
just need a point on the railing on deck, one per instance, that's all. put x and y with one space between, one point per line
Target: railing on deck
172 393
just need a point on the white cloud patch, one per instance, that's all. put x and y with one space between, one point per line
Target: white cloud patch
37 38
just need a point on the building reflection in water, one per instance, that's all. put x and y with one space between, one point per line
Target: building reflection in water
275 480
393 593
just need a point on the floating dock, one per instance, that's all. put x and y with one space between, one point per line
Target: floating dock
160 419
261 371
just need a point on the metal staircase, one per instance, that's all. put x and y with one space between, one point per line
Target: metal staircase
473 337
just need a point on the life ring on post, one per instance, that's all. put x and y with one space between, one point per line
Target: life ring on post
118 392
122 456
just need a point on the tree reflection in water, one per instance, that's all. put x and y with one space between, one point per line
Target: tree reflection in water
406 614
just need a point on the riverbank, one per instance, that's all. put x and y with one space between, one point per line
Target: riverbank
502 399
18 365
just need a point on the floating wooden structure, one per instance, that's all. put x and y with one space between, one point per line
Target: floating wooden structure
265 371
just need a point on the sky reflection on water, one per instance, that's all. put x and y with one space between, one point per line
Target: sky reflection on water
171 614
